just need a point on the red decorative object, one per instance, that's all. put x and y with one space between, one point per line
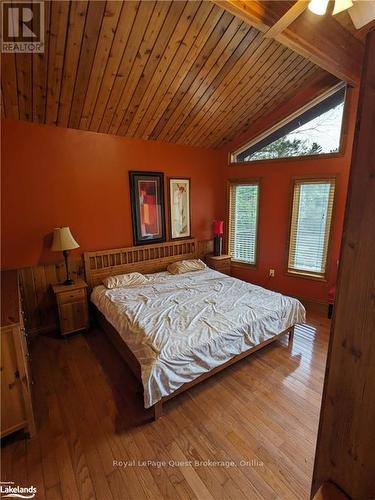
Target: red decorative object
331 301
218 236
331 295
218 227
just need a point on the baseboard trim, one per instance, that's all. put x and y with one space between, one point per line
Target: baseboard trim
313 301
314 304
43 330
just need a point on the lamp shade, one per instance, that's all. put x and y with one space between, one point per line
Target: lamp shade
63 240
318 7
218 227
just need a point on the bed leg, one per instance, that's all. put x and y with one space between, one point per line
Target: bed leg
291 334
158 410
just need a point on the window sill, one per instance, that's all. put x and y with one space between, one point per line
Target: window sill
301 274
237 263
286 159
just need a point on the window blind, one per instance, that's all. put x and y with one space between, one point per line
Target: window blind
310 226
243 221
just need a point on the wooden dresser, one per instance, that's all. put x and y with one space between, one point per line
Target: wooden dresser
220 263
16 399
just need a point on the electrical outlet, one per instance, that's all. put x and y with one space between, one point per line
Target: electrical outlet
272 273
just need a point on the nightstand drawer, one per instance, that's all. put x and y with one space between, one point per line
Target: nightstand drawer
224 268
72 296
73 316
220 263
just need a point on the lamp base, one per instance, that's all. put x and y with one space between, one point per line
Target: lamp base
218 245
68 282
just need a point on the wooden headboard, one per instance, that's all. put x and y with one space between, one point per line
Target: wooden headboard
143 259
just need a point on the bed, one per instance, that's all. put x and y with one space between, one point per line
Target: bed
177 330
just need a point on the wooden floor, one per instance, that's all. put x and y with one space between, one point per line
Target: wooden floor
258 418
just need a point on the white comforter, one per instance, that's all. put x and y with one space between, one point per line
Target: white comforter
180 326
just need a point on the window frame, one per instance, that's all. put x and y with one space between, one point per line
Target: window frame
239 182
269 130
306 274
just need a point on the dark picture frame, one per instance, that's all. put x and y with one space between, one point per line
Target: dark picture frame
147 205
179 199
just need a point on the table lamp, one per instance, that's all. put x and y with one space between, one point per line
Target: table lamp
63 241
218 237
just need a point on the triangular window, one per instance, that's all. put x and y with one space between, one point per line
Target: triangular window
312 131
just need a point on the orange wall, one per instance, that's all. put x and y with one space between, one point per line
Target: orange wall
276 180
54 176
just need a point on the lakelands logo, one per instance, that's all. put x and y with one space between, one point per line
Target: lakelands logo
22 27
9 490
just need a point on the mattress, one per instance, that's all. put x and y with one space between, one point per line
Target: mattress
181 326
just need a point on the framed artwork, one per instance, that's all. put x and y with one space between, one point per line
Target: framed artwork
147 204
179 208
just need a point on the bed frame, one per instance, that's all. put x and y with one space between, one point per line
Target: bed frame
150 259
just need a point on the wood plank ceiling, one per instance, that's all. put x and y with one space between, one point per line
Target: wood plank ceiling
174 71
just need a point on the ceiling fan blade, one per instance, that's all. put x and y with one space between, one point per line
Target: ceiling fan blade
341 5
362 12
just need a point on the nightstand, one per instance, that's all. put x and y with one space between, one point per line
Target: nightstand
73 306
220 263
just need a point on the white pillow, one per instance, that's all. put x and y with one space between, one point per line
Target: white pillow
185 266
122 280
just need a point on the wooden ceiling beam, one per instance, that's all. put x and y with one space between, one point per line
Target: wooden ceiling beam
259 123
322 40
287 19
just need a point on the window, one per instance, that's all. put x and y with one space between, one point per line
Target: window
310 226
243 221
313 130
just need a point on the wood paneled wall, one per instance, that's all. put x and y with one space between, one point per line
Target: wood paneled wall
39 301
345 453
